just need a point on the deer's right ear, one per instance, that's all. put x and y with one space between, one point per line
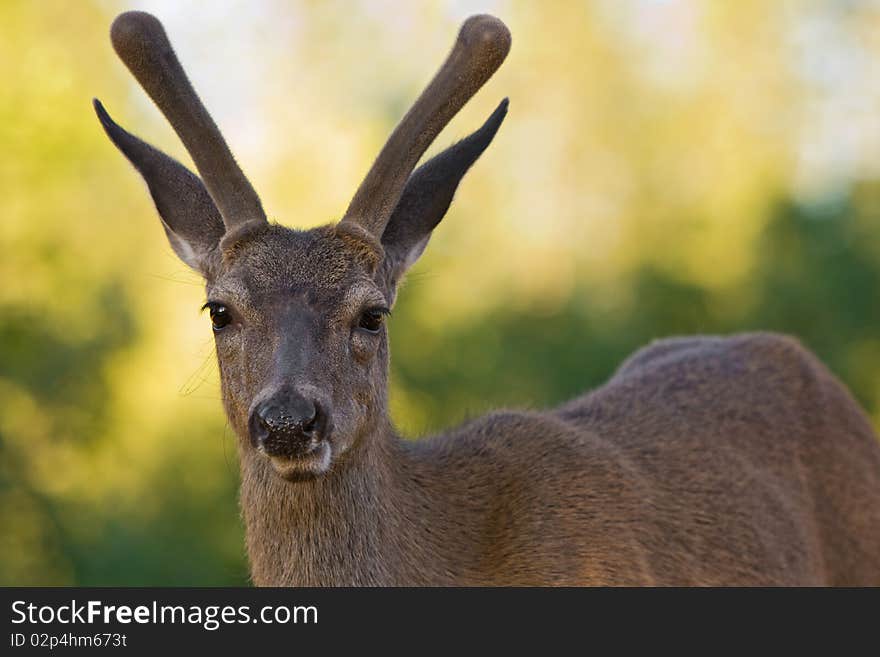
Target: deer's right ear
428 194
191 220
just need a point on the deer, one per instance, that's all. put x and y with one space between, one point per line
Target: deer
705 460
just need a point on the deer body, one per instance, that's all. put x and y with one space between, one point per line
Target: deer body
669 474
702 461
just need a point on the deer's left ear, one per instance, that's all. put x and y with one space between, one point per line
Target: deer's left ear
191 220
428 194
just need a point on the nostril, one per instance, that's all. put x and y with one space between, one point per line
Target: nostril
303 415
310 420
259 426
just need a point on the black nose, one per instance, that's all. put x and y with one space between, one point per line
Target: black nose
286 424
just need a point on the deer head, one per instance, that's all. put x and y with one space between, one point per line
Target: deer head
298 315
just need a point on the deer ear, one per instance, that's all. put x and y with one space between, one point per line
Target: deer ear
428 194
190 218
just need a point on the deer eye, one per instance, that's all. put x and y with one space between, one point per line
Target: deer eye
371 320
220 316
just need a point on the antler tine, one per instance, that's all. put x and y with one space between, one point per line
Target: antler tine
483 43
140 41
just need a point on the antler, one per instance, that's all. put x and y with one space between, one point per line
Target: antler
140 41
482 45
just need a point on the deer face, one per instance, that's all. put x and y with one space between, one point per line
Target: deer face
298 322
298 315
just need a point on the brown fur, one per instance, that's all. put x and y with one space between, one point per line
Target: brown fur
711 461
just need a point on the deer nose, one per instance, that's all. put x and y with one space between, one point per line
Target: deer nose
286 425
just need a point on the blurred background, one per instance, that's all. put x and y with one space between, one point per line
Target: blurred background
667 167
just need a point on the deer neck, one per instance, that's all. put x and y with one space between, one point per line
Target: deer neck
352 526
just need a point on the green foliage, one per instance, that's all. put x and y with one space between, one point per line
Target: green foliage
815 277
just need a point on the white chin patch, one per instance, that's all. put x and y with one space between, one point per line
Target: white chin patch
313 465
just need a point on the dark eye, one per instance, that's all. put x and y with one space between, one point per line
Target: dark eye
371 320
220 316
